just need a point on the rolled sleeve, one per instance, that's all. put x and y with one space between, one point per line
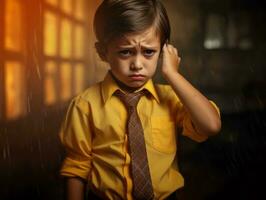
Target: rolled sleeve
188 129
75 135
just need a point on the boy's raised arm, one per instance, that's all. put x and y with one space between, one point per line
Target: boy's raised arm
203 114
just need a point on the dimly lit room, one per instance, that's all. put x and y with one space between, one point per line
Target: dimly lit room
48 56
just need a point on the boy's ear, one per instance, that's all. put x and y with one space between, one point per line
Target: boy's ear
101 50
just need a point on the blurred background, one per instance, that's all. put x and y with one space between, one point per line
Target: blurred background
47 57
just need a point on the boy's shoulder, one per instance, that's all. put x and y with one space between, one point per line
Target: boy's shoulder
89 94
166 94
92 91
162 87
83 100
164 91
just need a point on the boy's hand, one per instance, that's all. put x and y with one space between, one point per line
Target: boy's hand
171 60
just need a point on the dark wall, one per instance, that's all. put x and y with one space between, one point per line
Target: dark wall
31 156
234 77
231 164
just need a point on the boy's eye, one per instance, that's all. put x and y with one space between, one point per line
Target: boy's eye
125 52
148 52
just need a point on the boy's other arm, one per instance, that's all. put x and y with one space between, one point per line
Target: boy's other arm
203 114
75 188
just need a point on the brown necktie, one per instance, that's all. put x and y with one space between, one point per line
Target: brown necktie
142 185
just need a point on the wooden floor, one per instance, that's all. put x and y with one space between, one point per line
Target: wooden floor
230 165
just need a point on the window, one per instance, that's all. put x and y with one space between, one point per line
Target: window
215 37
14 89
13 25
229 30
50 38
65 80
52 2
63 49
50 72
79 78
42 54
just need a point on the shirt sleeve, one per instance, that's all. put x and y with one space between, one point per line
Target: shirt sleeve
75 135
188 129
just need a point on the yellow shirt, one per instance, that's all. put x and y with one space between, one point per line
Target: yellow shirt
94 135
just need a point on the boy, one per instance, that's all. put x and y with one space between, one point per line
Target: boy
124 151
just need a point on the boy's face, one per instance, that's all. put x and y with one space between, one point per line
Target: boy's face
133 58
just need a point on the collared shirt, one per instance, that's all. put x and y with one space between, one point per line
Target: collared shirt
94 135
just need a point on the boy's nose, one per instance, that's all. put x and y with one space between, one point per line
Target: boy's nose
136 64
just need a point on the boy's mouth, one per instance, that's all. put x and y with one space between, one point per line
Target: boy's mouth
137 77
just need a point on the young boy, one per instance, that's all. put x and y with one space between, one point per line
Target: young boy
123 151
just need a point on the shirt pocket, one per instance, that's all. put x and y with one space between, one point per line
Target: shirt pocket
163 134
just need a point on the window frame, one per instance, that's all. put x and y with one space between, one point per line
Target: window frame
32 57
58 59
2 87
11 56
223 9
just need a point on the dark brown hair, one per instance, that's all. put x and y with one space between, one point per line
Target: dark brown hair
115 18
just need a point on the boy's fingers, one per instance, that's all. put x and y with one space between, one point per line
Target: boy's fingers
170 48
164 47
175 50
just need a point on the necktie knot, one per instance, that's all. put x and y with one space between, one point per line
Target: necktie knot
131 99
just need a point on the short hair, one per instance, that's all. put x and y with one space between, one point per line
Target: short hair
114 18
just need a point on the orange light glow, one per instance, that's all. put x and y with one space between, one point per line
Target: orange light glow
66 81
50 83
65 47
13 25
50 34
79 42
79 11
79 78
52 2
66 6
15 90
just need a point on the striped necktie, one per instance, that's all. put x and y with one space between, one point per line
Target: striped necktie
142 184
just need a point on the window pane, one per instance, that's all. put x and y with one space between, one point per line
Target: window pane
65 50
50 34
215 32
244 31
15 90
50 83
52 2
79 11
79 78
13 25
232 32
66 6
2 96
79 42
66 81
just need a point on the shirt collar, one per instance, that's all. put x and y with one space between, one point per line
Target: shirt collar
109 86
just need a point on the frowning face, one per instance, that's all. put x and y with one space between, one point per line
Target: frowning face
133 58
